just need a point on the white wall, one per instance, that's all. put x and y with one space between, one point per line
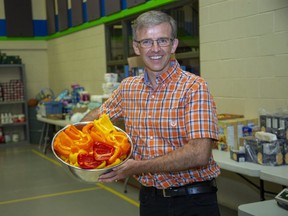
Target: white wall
78 58
244 54
34 57
244 58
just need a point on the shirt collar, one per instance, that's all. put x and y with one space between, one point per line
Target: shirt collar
168 75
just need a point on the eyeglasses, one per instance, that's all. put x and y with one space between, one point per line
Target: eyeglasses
148 43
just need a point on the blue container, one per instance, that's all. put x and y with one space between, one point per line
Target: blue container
53 107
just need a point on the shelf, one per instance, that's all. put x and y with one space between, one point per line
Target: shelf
13 124
12 102
11 65
16 104
187 55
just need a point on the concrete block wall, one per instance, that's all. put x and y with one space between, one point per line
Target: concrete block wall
244 54
78 58
34 57
244 58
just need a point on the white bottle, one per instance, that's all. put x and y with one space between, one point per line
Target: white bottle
9 120
6 118
2 118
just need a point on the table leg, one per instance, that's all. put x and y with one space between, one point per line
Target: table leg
262 190
42 135
46 138
126 184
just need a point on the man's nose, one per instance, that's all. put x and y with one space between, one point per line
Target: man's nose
155 45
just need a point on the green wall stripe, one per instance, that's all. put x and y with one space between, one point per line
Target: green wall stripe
113 17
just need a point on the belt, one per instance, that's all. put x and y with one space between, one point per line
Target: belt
191 189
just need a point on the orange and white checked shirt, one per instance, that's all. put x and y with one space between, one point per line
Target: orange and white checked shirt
164 119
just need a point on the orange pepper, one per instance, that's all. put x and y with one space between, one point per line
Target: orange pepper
88 128
62 145
115 156
73 132
119 139
80 139
97 136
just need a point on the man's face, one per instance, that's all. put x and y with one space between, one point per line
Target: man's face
155 58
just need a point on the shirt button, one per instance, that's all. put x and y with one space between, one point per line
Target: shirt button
149 116
151 137
152 96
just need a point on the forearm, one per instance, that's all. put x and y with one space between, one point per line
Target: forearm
91 116
194 154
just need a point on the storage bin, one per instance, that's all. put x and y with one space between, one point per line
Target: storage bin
50 108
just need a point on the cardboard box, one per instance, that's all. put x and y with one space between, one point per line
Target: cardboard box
135 62
230 131
238 156
251 149
285 153
276 124
265 153
226 116
271 153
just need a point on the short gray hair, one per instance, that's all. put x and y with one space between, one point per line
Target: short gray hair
152 18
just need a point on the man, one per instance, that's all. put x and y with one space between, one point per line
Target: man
171 118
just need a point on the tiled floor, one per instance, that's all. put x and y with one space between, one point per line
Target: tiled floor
34 184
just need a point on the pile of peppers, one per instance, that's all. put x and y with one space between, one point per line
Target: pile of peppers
97 145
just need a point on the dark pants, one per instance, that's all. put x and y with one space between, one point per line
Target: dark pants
154 204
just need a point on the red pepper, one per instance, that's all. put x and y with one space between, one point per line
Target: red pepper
102 151
87 161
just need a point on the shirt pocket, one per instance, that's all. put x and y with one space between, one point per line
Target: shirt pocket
172 122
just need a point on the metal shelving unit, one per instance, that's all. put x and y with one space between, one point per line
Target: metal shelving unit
14 106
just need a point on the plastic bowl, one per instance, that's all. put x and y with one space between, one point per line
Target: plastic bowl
87 175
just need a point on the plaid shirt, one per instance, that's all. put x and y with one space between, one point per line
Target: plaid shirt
164 119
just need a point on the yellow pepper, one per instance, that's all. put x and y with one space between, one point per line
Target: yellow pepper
104 125
117 161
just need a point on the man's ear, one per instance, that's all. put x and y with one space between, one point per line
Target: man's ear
175 45
136 48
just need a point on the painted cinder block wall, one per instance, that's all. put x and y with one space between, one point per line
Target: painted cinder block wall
244 54
244 58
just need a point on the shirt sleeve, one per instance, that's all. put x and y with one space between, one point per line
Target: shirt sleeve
112 106
201 118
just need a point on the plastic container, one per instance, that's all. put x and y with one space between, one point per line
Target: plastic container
48 108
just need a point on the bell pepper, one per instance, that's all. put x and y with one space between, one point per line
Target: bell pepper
97 136
116 162
122 142
73 132
117 153
104 125
73 159
87 161
88 128
62 145
82 140
102 151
